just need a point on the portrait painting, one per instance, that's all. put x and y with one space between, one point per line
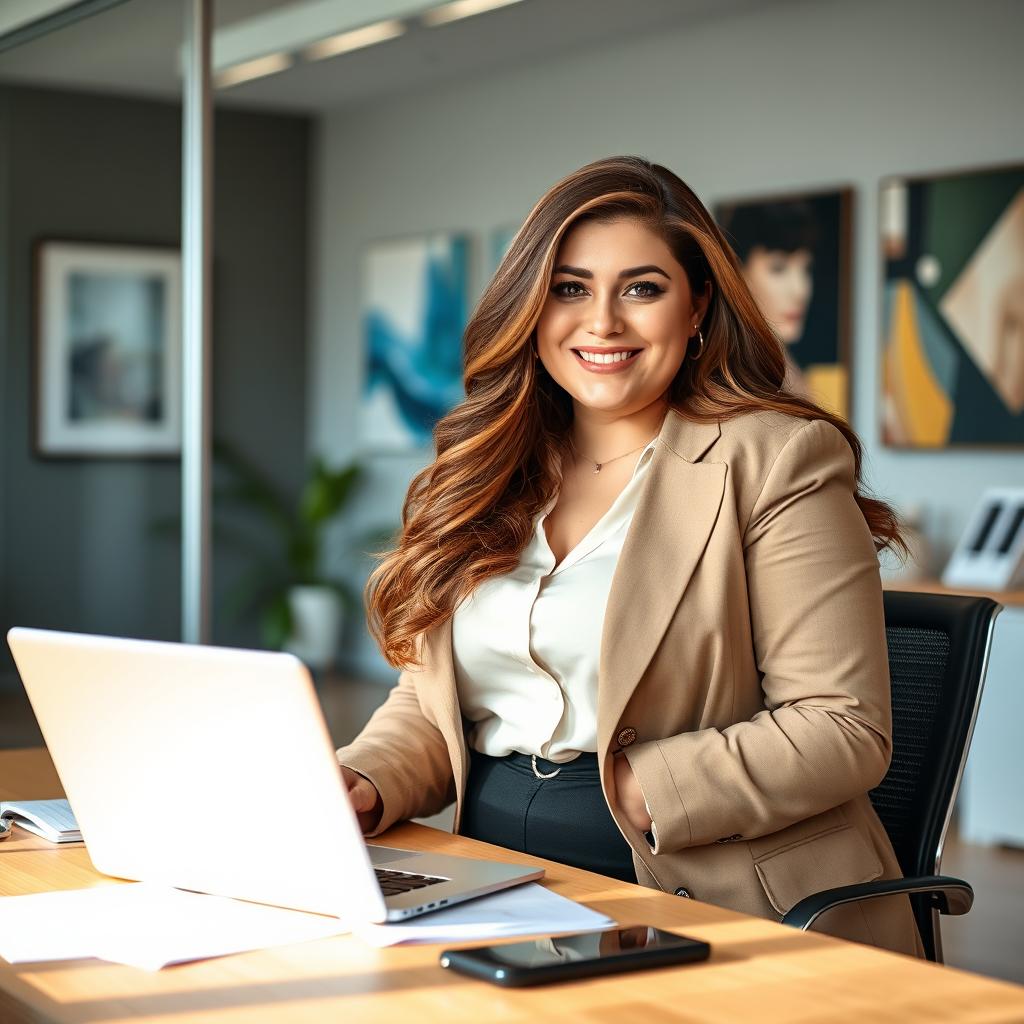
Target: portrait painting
795 255
953 309
107 350
416 309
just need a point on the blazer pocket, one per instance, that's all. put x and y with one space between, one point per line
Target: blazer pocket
841 856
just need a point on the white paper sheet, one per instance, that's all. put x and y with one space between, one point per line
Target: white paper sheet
527 909
146 926
151 926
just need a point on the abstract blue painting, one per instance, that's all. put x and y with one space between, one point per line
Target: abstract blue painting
416 312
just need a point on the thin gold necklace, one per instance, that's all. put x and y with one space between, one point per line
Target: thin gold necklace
598 465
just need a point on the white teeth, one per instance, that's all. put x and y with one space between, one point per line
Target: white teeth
604 357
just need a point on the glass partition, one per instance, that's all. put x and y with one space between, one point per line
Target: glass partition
90 349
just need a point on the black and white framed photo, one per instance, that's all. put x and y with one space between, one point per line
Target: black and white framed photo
107 350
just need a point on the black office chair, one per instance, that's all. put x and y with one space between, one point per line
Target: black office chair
938 655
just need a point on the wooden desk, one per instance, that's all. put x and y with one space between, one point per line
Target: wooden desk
759 970
1009 598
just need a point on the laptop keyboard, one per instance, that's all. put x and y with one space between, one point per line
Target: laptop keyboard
394 883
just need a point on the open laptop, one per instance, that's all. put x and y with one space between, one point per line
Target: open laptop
211 769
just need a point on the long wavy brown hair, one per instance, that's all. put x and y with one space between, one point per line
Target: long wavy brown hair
468 515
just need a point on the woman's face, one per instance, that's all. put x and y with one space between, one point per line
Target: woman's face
616 287
781 285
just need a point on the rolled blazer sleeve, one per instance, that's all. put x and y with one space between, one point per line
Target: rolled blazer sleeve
819 639
404 755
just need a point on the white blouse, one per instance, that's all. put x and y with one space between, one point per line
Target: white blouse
526 645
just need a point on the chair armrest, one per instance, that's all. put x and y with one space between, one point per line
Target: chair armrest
948 896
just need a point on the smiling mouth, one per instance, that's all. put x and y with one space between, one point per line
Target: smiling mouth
615 357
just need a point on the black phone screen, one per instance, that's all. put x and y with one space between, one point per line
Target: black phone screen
573 956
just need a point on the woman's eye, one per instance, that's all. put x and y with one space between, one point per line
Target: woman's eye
561 289
650 289
573 289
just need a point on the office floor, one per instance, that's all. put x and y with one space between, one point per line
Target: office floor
988 940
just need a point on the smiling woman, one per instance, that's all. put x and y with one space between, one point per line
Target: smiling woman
636 600
616 323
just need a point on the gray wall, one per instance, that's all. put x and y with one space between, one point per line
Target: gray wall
4 335
788 97
76 550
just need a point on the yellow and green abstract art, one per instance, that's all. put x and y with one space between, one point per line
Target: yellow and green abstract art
953 310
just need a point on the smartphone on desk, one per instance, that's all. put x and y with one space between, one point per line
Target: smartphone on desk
590 954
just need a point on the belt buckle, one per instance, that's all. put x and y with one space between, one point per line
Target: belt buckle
540 774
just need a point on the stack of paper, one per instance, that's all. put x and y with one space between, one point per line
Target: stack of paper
51 819
150 926
528 909
146 926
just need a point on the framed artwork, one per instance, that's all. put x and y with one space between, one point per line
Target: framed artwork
795 253
107 350
416 311
953 309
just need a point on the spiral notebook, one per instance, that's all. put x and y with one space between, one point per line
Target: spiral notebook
51 819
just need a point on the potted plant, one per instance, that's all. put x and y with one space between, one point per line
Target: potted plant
299 605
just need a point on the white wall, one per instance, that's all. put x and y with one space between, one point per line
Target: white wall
797 95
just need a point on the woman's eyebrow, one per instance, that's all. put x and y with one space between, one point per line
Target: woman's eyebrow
650 268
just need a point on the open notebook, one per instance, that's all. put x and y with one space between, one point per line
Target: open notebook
51 819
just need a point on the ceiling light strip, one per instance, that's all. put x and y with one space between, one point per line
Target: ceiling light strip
344 42
458 9
250 69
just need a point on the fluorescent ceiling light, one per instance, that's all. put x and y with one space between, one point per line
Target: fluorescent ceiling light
250 69
461 9
302 24
343 42
315 29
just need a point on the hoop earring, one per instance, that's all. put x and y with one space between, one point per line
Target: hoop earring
700 349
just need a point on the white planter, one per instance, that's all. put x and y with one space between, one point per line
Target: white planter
316 625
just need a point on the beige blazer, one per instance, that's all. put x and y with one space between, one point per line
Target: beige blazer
743 670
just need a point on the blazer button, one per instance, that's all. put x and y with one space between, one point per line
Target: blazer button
684 893
626 736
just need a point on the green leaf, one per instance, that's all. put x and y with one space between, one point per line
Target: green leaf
327 492
276 624
304 555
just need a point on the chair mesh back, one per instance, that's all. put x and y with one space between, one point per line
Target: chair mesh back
917 668
938 649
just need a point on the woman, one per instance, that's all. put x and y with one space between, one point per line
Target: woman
775 244
636 600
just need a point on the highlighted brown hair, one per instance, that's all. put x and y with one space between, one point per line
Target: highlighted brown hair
468 515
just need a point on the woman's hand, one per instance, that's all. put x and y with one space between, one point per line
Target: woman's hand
365 799
629 795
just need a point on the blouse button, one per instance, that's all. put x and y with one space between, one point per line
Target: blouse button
626 736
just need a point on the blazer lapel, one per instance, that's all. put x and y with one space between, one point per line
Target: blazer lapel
664 542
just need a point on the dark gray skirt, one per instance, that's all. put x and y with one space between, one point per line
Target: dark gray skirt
564 818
